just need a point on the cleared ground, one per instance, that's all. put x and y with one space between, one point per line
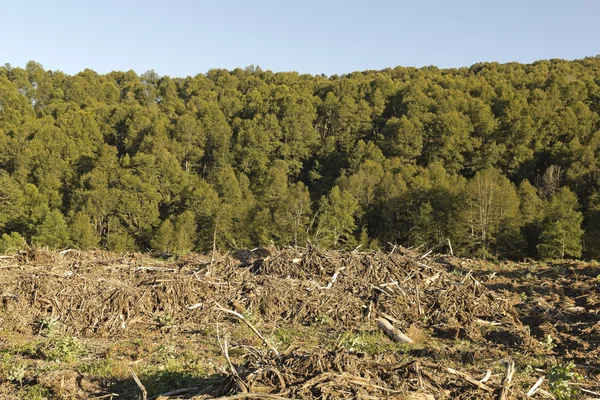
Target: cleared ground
79 325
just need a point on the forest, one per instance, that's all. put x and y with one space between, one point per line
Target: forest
499 160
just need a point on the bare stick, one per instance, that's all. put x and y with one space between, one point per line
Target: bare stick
535 387
450 245
507 381
252 396
392 332
486 377
240 316
214 249
139 383
333 279
461 375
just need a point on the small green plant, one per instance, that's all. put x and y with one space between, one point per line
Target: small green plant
371 343
530 277
166 321
548 343
16 372
523 296
287 336
559 377
64 349
322 319
48 326
35 392
558 269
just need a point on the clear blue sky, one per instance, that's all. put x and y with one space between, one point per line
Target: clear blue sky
186 37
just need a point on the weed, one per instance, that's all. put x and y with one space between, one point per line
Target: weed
35 392
548 343
287 336
559 377
16 372
166 321
48 326
523 296
65 349
371 343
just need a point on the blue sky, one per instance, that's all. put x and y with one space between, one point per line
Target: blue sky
186 37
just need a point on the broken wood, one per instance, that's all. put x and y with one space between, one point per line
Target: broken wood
139 383
461 375
535 387
507 381
392 332
240 316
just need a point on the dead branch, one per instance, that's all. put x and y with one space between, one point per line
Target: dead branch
507 381
461 375
392 332
139 383
535 387
252 396
240 316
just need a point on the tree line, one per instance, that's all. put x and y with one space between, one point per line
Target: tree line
501 160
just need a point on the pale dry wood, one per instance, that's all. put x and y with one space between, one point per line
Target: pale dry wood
253 396
139 383
507 381
535 387
450 245
256 331
461 375
392 332
333 279
486 377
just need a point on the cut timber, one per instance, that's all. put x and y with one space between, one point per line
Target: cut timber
392 332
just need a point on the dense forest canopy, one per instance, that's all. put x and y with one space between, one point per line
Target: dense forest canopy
501 159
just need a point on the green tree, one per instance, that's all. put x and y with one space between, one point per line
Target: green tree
164 239
52 232
492 207
82 232
561 229
335 223
11 201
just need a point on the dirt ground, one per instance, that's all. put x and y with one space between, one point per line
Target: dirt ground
283 324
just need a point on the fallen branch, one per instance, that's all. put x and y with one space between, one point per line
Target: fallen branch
535 387
486 377
333 279
484 322
507 381
461 375
392 332
240 316
139 383
252 396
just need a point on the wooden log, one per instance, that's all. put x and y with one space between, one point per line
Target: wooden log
392 332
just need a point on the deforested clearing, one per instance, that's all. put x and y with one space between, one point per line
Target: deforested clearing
296 323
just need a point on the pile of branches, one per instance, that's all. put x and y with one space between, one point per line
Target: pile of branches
104 295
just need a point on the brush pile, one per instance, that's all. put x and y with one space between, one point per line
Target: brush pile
98 294
103 295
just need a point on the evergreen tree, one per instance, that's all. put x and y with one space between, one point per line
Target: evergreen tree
52 232
336 223
82 232
561 229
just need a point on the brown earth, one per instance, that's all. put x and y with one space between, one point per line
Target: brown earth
78 325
